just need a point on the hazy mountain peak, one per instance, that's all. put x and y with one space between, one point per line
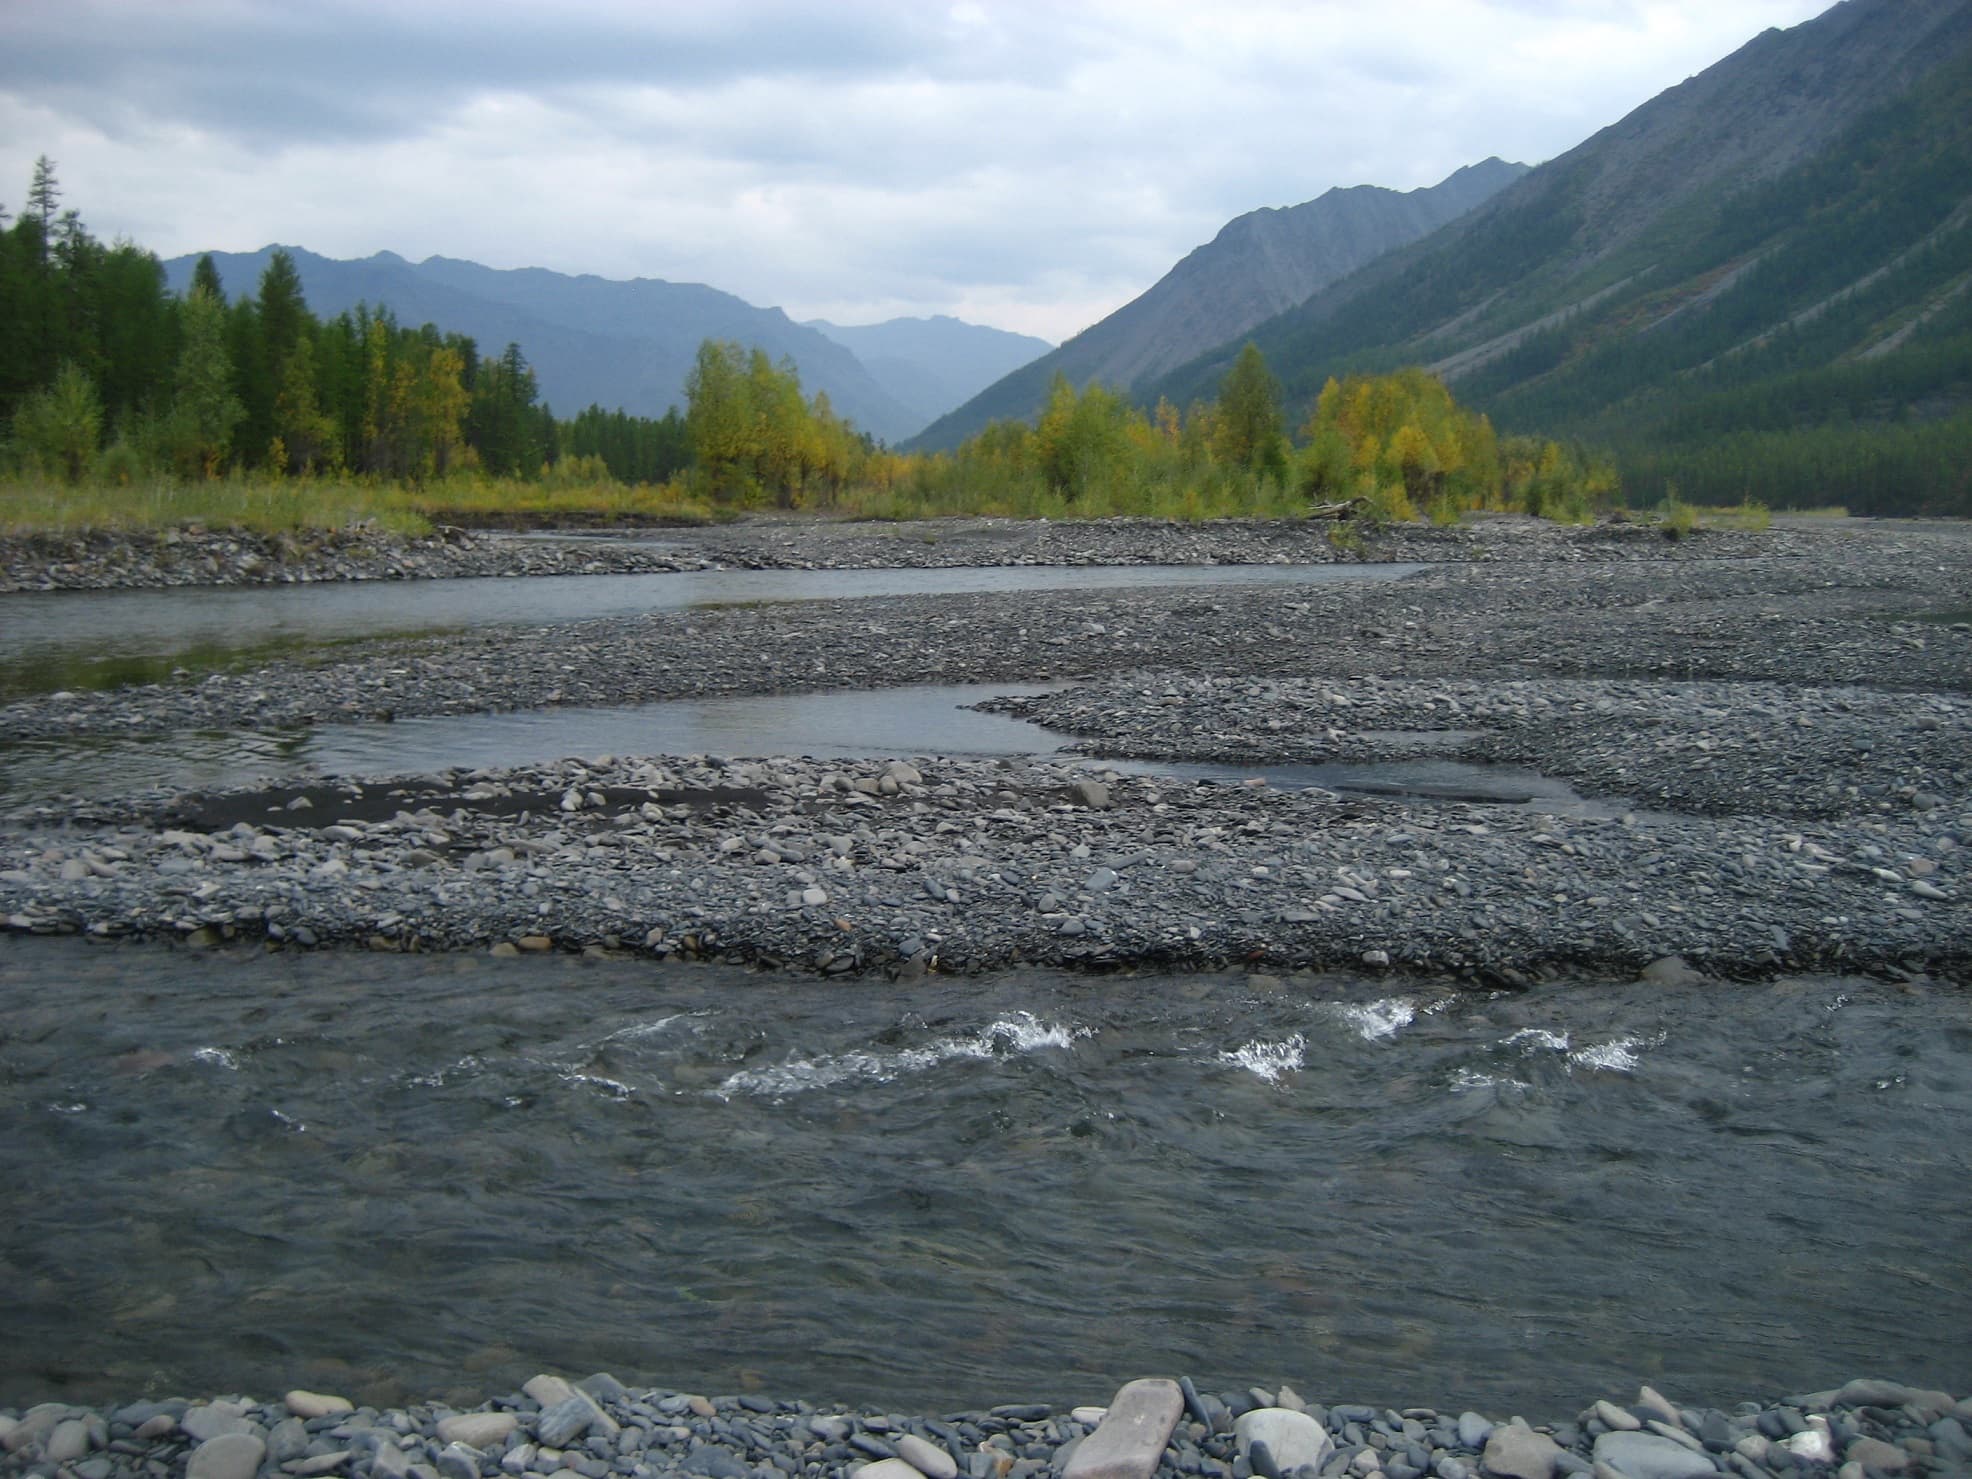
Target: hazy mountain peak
934 364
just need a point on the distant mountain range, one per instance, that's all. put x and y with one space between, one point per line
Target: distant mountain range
1258 265
1782 242
630 345
930 365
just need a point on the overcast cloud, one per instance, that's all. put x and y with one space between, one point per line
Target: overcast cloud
1027 165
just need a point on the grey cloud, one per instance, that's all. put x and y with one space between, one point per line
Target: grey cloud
346 71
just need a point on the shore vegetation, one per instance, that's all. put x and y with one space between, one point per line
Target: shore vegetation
126 405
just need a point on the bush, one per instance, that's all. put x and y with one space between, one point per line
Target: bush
58 429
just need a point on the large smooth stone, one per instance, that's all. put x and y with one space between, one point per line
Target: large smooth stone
69 1442
229 1456
927 1458
477 1429
566 1421
1647 1456
1293 1438
216 1420
1520 1453
307 1405
548 1390
1129 1442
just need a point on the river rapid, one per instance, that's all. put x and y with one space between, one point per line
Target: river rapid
393 1175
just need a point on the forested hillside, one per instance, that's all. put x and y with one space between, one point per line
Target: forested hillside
1787 320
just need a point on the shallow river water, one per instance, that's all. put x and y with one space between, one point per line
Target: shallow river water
397 1176
93 639
919 720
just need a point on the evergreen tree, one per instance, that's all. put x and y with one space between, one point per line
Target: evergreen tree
42 196
204 411
205 279
1249 432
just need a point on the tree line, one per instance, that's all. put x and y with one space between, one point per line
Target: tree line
106 375
103 371
1390 447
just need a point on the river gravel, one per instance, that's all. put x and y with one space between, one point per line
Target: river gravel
598 1427
97 560
1776 722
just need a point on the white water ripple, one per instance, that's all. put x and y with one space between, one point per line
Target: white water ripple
1269 1060
1537 1039
1376 1020
1619 1056
1020 1033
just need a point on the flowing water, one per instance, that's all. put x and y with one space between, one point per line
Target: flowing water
397 1176
94 639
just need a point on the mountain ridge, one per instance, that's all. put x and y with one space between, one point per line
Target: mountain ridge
620 343
1257 264
933 364
1622 271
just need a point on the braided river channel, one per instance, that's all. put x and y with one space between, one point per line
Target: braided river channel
399 1177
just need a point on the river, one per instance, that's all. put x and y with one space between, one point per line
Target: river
238 1171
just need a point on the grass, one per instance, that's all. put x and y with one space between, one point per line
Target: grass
954 495
31 504
1750 514
36 505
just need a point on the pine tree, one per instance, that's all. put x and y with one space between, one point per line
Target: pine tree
43 194
205 411
1249 432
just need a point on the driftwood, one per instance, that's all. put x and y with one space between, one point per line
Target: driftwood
1348 508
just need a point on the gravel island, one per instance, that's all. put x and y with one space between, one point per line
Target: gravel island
1771 730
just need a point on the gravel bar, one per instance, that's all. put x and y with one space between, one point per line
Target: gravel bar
598 1427
1777 723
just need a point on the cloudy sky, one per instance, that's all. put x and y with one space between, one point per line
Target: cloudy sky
1022 163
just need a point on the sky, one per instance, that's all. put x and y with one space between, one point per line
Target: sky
1019 163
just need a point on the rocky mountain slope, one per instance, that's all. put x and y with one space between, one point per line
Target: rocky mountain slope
1259 265
1775 246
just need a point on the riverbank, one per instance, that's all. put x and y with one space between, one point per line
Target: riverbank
230 557
1775 725
598 1427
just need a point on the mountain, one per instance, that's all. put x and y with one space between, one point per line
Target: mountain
590 340
934 364
1258 265
1771 257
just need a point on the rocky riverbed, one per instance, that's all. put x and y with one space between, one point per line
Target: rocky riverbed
101 560
1776 722
598 1427
1775 728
